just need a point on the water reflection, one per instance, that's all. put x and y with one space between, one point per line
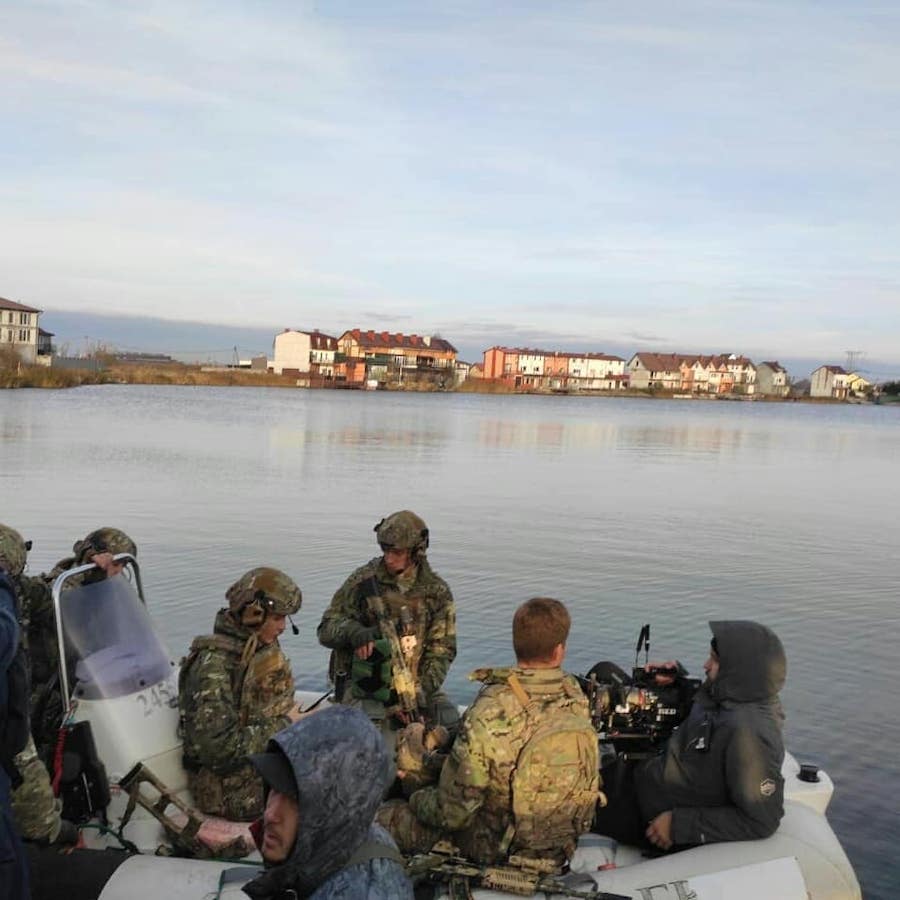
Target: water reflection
629 511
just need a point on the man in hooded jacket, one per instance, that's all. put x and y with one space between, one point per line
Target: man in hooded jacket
324 777
719 778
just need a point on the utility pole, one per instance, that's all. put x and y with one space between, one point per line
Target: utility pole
235 358
852 357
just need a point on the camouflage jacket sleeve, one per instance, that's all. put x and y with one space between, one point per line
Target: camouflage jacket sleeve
341 628
440 642
464 779
213 731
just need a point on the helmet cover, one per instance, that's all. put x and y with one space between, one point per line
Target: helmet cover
402 530
13 550
262 591
103 540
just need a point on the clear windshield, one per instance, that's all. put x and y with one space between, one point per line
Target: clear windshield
110 644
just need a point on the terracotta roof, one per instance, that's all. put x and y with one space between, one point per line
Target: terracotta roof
16 307
386 340
671 362
318 340
567 354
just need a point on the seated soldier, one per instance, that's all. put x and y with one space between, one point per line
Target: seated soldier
719 778
522 776
236 690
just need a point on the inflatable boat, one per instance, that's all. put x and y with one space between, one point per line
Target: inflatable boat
123 782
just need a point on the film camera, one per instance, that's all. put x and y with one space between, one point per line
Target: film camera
636 713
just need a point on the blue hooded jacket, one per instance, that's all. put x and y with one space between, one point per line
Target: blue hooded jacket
340 767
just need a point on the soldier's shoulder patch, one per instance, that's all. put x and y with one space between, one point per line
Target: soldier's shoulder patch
767 787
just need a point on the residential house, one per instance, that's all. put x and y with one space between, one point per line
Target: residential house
529 369
322 351
743 374
304 353
19 329
693 373
857 385
462 371
291 353
772 379
829 381
556 370
378 355
657 370
596 372
500 362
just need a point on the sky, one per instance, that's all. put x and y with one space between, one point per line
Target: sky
692 176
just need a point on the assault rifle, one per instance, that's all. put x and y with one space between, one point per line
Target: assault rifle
402 679
521 876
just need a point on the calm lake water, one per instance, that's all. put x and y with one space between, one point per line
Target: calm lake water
669 512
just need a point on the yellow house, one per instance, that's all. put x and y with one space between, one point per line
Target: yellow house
857 385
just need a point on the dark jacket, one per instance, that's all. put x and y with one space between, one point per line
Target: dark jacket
721 772
13 870
340 767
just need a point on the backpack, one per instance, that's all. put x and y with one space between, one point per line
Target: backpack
556 780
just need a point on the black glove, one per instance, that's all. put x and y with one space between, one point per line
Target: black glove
364 635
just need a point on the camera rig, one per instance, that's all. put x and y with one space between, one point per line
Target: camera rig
636 713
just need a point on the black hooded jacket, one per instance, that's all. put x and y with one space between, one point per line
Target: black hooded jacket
721 772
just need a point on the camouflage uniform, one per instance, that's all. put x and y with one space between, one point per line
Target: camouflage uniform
36 809
473 799
429 601
234 694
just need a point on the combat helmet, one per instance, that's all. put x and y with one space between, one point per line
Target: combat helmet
103 540
13 550
261 591
403 530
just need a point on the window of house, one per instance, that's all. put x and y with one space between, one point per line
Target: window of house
23 318
23 334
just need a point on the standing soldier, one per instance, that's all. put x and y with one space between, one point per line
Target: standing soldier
36 809
235 691
391 627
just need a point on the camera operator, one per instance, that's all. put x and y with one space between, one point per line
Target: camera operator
719 778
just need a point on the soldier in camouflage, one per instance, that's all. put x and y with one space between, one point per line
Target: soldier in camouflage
235 691
324 778
421 605
474 803
35 808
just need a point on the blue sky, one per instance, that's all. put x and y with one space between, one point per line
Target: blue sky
696 176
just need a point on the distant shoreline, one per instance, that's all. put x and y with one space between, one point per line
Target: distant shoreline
200 376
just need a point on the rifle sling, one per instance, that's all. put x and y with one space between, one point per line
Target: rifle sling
370 850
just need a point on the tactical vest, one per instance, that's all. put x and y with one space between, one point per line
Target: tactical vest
371 679
554 781
263 686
